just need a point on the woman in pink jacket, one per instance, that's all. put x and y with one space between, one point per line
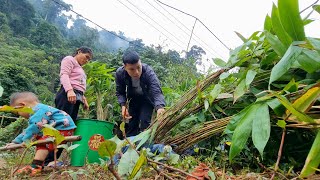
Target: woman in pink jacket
73 82
73 86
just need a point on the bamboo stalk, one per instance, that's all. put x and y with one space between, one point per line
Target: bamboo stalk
46 141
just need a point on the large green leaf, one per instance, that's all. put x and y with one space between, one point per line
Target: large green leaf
107 149
141 161
277 107
127 163
276 44
50 131
142 138
261 127
300 115
235 120
291 20
243 131
309 60
278 27
313 158
120 143
304 102
285 63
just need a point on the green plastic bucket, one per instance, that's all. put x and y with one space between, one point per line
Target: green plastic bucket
89 129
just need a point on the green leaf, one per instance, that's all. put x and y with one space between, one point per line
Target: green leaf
268 23
292 86
211 175
218 108
11 109
206 104
276 44
241 37
316 8
304 102
72 147
249 77
153 131
224 75
307 21
120 143
279 29
1 91
141 161
127 163
315 43
50 131
215 92
313 158
240 90
242 131
261 127
173 158
188 120
219 62
301 116
107 149
233 123
142 138
291 20
309 60
122 127
285 63
282 124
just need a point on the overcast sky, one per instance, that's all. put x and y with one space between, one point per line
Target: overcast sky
156 24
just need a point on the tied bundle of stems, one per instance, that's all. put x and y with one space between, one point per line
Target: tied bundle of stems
197 134
177 112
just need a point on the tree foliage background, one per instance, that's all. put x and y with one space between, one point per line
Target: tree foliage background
34 37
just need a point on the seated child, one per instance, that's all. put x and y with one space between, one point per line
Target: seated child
43 114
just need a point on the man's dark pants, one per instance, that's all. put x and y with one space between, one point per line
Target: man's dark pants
141 111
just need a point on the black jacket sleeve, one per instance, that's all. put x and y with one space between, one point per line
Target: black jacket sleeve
120 86
155 89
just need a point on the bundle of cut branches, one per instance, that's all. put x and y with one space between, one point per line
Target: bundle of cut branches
197 134
177 112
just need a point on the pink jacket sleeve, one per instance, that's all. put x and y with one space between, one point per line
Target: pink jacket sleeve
65 71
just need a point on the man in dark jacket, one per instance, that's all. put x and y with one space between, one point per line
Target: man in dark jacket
139 87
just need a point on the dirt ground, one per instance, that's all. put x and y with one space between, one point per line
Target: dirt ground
2 163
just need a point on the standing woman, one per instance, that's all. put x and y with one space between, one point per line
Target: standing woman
73 82
73 86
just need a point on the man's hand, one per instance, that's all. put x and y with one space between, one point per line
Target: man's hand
85 103
71 96
160 111
125 113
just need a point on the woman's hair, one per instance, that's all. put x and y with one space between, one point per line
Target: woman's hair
83 49
24 96
130 57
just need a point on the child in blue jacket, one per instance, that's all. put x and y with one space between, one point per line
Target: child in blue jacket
43 114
